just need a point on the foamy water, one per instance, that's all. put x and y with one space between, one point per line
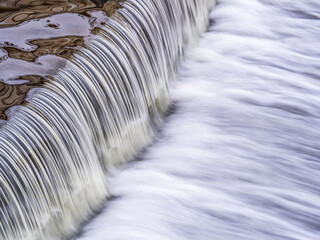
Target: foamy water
239 156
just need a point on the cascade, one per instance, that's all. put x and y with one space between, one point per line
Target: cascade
96 113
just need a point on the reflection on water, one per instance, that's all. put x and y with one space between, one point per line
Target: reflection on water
30 30
15 12
12 95
61 46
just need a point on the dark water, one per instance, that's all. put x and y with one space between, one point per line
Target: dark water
239 157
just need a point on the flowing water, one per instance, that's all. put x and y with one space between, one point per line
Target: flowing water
100 109
37 38
238 158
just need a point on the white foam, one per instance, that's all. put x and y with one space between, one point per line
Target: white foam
239 157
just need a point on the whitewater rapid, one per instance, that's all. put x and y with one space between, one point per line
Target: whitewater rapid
238 156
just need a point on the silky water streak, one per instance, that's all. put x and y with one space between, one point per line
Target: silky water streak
99 110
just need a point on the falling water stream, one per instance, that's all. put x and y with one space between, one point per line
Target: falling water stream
96 112
238 158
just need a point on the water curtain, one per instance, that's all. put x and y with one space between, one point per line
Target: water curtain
97 113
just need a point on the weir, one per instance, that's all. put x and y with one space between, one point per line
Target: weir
97 112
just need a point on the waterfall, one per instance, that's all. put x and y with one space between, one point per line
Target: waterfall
96 113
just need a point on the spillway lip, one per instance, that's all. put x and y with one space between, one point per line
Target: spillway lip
36 40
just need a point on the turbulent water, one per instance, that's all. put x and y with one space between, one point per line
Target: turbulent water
238 158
